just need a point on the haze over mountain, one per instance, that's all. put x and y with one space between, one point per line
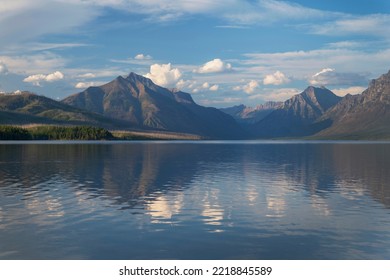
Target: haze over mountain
296 116
363 116
249 115
138 100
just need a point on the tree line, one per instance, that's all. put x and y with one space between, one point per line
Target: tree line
8 132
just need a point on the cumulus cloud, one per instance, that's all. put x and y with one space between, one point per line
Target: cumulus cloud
82 85
214 66
214 87
164 75
189 84
3 68
249 88
57 75
37 78
277 78
328 76
203 87
141 56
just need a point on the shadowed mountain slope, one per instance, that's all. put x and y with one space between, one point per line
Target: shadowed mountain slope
138 100
296 116
26 107
363 116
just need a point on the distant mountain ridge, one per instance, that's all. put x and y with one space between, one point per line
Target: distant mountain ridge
250 115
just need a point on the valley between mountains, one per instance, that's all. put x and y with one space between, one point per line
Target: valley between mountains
134 103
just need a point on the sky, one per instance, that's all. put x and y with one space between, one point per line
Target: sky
223 52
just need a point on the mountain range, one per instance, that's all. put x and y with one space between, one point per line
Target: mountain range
249 115
143 104
136 103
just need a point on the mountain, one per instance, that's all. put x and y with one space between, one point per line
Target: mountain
249 115
26 108
296 116
142 103
363 116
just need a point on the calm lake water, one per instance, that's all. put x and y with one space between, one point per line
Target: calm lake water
195 200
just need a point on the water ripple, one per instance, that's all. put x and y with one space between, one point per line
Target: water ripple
189 200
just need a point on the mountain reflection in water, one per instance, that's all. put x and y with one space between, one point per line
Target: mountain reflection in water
195 200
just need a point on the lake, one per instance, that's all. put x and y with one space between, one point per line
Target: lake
195 200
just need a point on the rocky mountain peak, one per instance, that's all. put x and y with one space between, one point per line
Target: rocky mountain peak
133 77
379 89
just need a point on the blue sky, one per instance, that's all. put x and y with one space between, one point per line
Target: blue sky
223 52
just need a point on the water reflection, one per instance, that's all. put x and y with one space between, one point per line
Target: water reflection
155 194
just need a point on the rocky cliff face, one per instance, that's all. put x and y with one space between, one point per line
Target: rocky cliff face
366 115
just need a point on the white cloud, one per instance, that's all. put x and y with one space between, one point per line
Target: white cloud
189 84
323 71
27 20
30 64
142 57
249 88
234 11
82 85
346 45
42 17
214 87
3 68
195 88
349 90
214 66
164 75
56 76
330 76
304 63
270 11
86 76
277 78
372 25
281 94
37 78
